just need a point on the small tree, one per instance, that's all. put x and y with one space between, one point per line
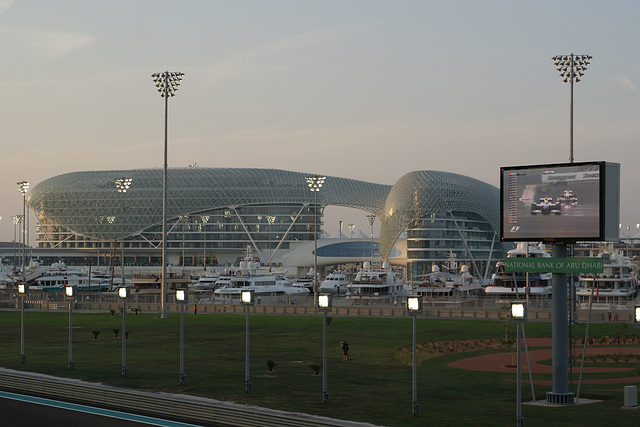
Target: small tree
271 364
95 334
316 368
115 332
507 326
622 335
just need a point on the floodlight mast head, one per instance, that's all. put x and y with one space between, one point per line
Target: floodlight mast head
636 316
315 182
571 67
123 184
23 187
167 83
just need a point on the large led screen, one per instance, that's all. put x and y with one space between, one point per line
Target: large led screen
561 202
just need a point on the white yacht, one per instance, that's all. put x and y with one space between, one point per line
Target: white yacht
375 283
514 285
447 284
263 286
618 284
57 283
335 283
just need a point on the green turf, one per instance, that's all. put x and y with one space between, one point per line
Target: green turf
373 387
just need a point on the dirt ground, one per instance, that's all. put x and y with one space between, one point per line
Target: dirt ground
505 362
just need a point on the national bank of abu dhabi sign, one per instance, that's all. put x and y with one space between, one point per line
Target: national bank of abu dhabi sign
553 265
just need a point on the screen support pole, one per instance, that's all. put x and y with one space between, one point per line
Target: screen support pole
559 333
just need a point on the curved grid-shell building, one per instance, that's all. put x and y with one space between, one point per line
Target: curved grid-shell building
215 213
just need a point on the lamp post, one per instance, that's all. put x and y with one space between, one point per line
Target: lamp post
270 219
351 227
571 68
315 182
183 220
324 305
182 297
23 187
247 301
340 227
371 219
70 293
519 316
122 185
414 306
205 220
23 289
167 84
123 293
628 235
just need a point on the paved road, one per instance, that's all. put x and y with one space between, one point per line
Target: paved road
26 411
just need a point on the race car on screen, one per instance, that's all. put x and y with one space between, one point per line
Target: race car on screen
568 198
546 207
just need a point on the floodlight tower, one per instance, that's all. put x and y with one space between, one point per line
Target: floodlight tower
371 219
315 183
571 68
122 185
167 84
23 187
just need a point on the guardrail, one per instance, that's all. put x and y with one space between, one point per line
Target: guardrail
179 408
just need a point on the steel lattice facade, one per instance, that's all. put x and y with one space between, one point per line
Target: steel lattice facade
226 208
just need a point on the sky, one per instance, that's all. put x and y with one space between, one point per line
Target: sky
361 89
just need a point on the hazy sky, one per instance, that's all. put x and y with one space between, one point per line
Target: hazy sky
364 89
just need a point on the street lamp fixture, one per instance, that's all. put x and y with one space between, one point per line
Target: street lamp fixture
70 294
519 316
571 68
246 297
167 84
315 182
123 293
23 290
414 306
324 305
182 297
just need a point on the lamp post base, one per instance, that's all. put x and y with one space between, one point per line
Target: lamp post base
23 358
325 397
416 409
560 398
183 379
72 365
247 387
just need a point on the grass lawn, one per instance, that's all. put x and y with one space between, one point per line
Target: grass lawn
375 386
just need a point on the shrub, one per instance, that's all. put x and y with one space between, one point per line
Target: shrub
316 368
